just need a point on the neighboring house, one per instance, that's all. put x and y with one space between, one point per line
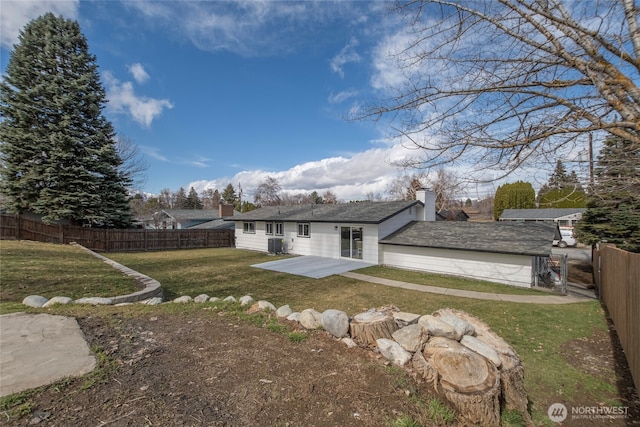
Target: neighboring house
564 217
451 215
179 219
400 234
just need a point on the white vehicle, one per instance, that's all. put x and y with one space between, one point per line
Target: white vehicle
566 238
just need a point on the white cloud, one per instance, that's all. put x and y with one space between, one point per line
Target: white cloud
250 28
138 72
123 100
349 177
346 55
14 15
153 152
342 96
200 162
388 73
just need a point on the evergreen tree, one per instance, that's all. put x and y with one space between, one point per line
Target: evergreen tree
562 190
192 201
229 196
613 208
58 150
180 199
517 195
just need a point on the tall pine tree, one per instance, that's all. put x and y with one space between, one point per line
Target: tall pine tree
562 191
613 208
58 150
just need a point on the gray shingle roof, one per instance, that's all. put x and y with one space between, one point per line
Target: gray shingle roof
520 238
361 212
216 224
192 214
539 214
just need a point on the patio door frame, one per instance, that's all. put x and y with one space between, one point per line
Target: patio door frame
355 240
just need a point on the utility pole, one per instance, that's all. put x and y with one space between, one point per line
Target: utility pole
590 160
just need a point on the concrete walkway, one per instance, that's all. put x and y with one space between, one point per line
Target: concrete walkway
39 349
526 299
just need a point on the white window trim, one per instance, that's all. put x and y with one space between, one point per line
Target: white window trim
249 227
308 229
279 231
268 228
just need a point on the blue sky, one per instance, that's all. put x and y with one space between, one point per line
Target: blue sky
232 92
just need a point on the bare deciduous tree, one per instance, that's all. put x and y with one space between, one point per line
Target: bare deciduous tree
134 165
501 82
446 185
268 192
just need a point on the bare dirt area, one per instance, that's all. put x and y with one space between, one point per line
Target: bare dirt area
214 369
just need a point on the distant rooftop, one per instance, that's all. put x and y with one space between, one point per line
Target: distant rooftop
540 214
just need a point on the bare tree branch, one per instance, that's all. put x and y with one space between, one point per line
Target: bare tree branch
503 82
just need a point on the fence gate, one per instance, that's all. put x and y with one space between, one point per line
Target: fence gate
551 272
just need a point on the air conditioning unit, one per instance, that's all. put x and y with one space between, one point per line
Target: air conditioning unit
276 246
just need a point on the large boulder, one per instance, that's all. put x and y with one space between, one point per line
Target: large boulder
412 338
35 301
201 298
336 322
57 300
438 328
311 319
284 311
393 351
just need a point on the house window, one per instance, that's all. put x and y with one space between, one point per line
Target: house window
249 227
303 229
270 226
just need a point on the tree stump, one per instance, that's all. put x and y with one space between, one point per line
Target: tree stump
365 328
467 380
514 394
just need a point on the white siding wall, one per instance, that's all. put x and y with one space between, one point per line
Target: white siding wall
252 241
502 268
324 239
398 221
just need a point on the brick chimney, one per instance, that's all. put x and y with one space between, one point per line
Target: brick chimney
428 197
225 210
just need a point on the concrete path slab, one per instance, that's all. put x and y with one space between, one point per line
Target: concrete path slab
312 266
39 349
525 299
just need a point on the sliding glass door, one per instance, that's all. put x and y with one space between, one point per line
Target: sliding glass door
351 242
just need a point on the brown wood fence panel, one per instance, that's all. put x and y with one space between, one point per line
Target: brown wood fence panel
114 240
618 278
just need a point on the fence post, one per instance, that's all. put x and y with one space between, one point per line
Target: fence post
18 227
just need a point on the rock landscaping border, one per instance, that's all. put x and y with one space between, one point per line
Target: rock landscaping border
151 292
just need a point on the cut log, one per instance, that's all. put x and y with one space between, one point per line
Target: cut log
467 380
514 394
365 328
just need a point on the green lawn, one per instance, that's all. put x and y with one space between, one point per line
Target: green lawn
537 332
30 268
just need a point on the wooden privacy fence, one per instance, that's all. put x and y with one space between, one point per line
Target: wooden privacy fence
113 240
617 275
